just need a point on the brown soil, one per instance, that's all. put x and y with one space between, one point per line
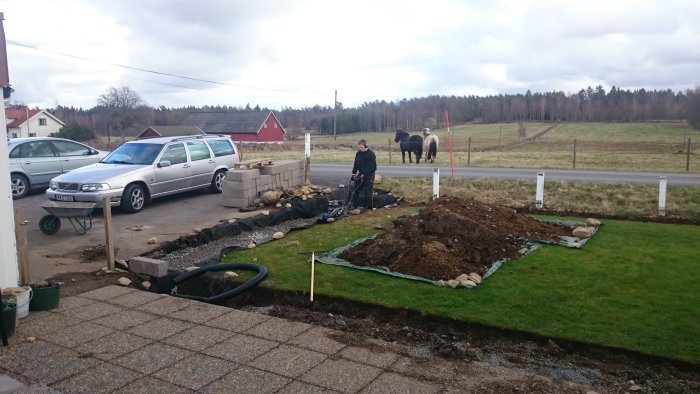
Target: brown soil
452 236
74 283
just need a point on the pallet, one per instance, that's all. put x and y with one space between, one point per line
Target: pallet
250 164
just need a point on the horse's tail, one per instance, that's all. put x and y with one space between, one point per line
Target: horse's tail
432 150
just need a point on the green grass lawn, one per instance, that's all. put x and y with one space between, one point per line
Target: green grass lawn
634 286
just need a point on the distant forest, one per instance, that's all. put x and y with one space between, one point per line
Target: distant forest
588 105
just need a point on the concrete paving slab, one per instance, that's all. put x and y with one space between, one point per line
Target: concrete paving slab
237 320
149 385
72 302
46 325
391 382
78 334
15 357
159 329
9 385
241 348
57 366
107 293
113 345
152 358
136 298
125 319
378 357
319 339
34 315
166 305
198 337
276 329
297 387
288 361
200 313
104 378
341 375
429 368
197 371
92 311
248 380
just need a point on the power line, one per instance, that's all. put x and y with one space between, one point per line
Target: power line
34 47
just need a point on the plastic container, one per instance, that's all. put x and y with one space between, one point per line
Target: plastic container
24 295
9 316
44 298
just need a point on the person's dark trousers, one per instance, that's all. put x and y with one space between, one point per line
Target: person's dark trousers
363 197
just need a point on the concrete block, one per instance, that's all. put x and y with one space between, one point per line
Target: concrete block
242 175
147 266
239 193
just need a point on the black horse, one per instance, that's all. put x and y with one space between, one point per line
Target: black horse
413 143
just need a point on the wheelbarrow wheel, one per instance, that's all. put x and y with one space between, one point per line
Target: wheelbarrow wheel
49 224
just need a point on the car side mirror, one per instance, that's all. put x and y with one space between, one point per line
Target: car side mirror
94 152
164 163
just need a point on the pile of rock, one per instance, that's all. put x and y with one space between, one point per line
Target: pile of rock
585 230
464 280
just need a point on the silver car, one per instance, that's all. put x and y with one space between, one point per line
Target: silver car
34 161
138 171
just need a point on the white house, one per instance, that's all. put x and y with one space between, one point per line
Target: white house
24 122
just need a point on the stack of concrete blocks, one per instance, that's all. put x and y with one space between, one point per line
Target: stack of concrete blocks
286 174
243 186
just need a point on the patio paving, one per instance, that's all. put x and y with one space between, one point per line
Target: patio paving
118 339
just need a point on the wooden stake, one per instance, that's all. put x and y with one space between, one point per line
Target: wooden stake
469 151
109 236
21 238
313 263
687 157
574 152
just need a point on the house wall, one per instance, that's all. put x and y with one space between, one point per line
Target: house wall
34 128
150 133
271 131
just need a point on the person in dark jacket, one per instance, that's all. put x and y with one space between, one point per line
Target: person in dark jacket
363 170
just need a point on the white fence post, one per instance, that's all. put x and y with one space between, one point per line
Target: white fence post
539 193
436 183
307 156
662 195
307 145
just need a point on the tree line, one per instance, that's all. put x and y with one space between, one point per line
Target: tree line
120 112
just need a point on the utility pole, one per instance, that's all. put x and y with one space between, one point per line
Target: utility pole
335 116
9 267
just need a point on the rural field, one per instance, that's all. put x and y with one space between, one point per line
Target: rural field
599 146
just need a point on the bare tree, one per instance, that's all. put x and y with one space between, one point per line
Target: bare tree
123 108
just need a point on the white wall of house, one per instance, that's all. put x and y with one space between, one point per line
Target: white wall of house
39 125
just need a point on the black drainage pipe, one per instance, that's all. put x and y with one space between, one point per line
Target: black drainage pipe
261 270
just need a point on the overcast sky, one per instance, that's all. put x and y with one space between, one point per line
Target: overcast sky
295 53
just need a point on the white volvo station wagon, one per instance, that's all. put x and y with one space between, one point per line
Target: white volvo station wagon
138 171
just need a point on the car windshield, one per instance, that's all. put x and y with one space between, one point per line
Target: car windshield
134 154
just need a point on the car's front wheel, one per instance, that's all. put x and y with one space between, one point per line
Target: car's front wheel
217 183
133 199
19 185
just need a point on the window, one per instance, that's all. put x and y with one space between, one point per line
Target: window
66 148
175 154
14 135
198 150
32 134
221 147
265 125
274 125
36 149
42 121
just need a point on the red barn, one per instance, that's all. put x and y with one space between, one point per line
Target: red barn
253 126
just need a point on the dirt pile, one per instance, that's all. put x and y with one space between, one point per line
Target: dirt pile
452 236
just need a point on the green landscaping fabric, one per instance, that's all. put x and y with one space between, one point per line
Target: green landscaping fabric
531 245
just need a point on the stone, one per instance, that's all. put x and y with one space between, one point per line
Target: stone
330 220
581 232
30 339
278 205
327 190
287 205
271 197
476 278
265 213
453 283
468 283
304 197
592 222
231 221
197 230
462 278
378 179
635 387
230 275
190 269
575 245
122 264
278 235
146 284
251 245
355 212
153 240
124 281
147 266
441 283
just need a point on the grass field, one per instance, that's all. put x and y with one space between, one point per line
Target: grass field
634 286
599 146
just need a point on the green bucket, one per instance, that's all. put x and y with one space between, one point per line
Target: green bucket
44 298
9 314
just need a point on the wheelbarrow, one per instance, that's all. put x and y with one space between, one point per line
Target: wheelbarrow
79 214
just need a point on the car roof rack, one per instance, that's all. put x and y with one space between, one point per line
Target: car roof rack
200 136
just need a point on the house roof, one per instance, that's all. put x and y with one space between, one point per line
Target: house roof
19 116
228 122
171 131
